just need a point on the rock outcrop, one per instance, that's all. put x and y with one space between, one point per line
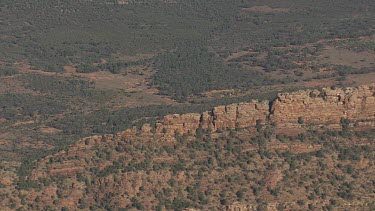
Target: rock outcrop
328 106
181 124
240 115
239 207
233 116
319 107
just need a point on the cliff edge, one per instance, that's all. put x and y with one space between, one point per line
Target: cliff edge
317 107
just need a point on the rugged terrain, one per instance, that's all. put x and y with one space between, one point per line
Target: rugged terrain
71 69
187 93
309 149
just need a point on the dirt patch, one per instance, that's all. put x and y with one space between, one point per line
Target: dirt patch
4 143
319 83
145 97
265 9
363 163
304 148
104 80
49 130
70 69
34 145
237 55
346 57
24 123
289 131
359 79
219 93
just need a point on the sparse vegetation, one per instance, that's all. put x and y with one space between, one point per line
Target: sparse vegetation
195 181
70 69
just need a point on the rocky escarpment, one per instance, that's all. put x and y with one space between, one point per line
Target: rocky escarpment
132 166
231 116
326 106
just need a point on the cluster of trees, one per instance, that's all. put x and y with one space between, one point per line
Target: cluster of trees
54 34
8 72
192 69
13 106
280 59
357 45
58 84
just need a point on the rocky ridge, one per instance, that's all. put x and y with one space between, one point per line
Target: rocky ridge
101 158
317 107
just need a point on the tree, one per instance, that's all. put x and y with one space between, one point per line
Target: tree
258 125
301 120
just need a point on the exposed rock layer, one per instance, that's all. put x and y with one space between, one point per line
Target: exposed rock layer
326 106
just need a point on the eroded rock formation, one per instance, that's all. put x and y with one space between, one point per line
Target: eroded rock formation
326 106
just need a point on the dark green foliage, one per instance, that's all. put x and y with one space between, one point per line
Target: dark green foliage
52 34
137 204
11 105
8 72
258 125
73 86
301 120
86 68
345 125
180 204
193 69
23 172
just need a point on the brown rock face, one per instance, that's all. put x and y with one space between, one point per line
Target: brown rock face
249 113
240 115
207 120
225 117
146 128
328 106
231 116
239 207
182 124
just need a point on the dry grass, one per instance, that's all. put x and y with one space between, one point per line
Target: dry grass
10 84
346 57
49 130
356 80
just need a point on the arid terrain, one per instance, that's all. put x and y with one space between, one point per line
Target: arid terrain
305 150
187 105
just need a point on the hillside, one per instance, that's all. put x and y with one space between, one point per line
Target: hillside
187 104
238 157
75 68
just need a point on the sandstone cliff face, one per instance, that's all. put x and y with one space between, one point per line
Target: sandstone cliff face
182 124
231 116
239 207
327 106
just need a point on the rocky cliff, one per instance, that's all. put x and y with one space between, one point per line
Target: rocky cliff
327 106
319 107
133 169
